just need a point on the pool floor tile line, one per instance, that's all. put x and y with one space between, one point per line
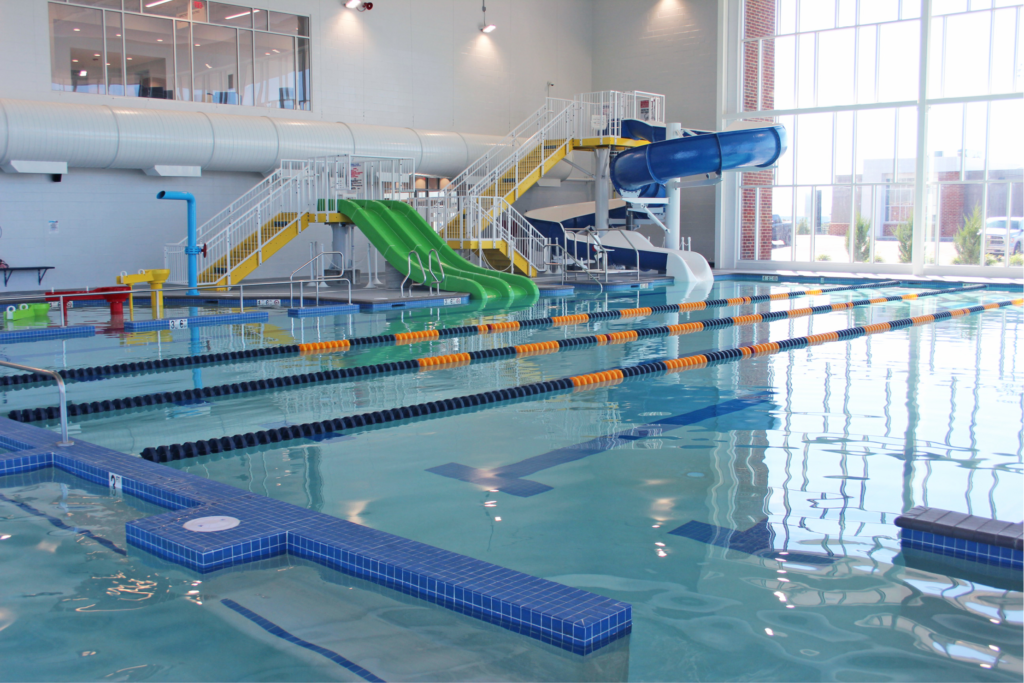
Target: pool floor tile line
511 478
570 618
59 523
275 630
758 540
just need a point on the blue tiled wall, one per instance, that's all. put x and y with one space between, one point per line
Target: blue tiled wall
958 547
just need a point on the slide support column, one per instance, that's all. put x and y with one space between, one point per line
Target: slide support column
674 207
601 189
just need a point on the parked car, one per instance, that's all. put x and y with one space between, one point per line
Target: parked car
995 229
782 230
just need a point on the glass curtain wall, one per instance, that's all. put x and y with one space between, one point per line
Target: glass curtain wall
842 76
191 50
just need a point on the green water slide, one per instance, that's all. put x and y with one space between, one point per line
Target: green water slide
396 228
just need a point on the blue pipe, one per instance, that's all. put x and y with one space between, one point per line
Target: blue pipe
659 162
192 250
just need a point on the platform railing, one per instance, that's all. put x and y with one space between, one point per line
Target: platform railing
64 440
495 219
321 279
301 187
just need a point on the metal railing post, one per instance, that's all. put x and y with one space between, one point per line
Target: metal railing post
63 397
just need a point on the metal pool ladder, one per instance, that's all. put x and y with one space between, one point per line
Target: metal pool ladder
63 397
435 280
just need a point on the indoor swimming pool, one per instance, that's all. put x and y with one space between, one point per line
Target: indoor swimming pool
743 508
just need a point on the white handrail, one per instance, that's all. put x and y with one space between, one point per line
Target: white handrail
64 440
302 187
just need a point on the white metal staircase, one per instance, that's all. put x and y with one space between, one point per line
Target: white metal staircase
258 224
475 211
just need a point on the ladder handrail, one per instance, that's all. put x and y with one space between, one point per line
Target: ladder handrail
318 280
583 266
62 391
408 273
636 251
430 267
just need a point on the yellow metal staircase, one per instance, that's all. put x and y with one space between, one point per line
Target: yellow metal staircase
252 249
528 168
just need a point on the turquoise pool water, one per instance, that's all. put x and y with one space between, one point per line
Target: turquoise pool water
812 453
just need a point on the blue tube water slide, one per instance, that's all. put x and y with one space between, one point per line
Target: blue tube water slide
712 152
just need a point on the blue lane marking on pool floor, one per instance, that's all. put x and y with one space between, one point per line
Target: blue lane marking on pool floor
509 479
61 525
274 629
757 540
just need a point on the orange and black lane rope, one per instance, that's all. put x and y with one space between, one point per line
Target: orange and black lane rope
186 396
581 318
336 426
100 372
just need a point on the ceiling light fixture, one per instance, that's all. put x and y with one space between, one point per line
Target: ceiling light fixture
239 16
485 27
158 2
358 5
83 73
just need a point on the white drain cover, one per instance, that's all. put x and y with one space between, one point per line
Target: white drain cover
207 524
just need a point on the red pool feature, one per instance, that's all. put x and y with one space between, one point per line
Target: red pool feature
115 295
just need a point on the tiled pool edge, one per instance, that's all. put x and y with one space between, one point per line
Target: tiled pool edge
566 617
198 321
969 537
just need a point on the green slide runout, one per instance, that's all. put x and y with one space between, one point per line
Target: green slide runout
395 232
524 289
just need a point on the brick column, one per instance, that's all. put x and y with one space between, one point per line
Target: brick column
759 21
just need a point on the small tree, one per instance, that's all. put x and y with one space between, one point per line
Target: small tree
905 235
861 239
967 240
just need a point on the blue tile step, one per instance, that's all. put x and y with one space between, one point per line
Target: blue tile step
14 337
196 321
317 311
392 303
620 286
957 534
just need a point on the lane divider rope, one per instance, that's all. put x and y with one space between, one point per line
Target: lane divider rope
445 361
335 427
99 372
580 318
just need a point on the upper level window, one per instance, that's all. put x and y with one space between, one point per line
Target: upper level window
191 50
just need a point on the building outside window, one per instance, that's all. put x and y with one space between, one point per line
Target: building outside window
843 77
190 50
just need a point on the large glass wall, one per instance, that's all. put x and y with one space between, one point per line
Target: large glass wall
843 77
191 50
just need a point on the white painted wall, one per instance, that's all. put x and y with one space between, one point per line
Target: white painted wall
415 63
669 47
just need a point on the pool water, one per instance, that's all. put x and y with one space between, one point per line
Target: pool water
807 456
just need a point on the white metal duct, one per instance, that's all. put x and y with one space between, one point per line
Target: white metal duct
102 136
